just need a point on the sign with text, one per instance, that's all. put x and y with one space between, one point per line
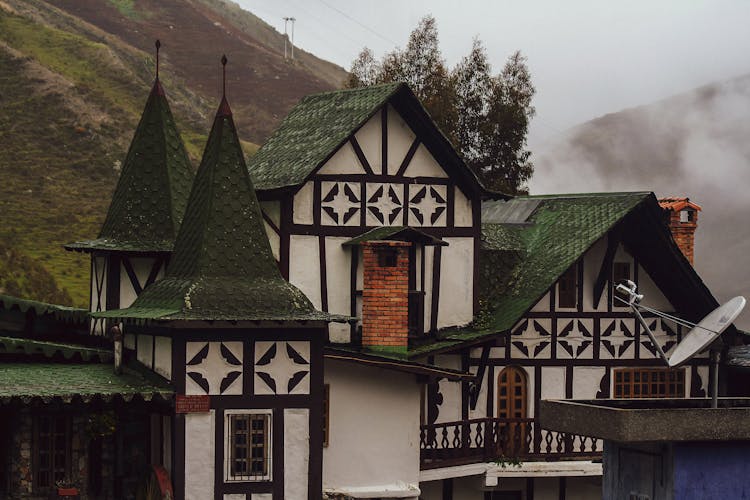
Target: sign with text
192 404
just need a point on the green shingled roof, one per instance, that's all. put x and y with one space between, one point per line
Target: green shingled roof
68 381
222 267
13 345
540 237
61 313
399 233
149 201
313 130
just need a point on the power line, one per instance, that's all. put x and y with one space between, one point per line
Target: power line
359 23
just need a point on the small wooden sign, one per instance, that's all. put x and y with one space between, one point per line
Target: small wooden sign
192 404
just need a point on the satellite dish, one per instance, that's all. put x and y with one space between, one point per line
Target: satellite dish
698 338
705 332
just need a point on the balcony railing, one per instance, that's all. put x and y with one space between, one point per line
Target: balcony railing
500 439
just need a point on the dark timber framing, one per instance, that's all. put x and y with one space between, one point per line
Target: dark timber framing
384 139
323 273
360 155
222 404
434 307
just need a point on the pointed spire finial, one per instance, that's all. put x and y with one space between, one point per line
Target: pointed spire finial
158 46
224 75
224 109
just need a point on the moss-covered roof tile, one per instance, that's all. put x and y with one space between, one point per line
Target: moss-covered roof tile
222 267
68 381
314 128
526 254
61 313
151 194
28 347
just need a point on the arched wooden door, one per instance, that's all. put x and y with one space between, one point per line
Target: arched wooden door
512 401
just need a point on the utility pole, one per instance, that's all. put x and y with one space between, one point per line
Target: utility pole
292 19
286 37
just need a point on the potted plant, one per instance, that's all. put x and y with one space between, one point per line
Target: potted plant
66 488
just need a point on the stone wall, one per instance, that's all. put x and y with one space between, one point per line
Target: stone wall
21 480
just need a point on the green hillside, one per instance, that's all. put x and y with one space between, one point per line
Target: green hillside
71 92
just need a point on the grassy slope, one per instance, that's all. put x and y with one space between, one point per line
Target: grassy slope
74 76
68 110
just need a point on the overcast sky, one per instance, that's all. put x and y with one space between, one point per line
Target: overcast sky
587 58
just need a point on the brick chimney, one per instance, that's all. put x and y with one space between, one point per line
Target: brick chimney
682 217
385 296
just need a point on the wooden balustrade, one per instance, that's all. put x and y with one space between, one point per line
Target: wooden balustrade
500 439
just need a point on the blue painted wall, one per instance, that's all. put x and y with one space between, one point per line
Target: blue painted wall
719 471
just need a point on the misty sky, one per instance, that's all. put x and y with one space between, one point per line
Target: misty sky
587 58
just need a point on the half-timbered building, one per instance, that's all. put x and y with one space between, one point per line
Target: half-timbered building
352 314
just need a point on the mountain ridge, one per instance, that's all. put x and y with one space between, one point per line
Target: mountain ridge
74 76
694 144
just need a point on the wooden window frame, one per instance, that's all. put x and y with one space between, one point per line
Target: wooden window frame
37 448
231 448
638 383
524 396
568 298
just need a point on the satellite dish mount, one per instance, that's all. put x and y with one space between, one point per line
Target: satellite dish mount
698 339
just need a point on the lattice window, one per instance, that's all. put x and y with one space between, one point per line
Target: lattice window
51 449
634 383
248 453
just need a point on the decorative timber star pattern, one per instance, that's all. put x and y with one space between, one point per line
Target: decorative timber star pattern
213 368
282 367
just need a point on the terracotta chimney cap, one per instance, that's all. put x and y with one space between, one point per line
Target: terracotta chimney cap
676 204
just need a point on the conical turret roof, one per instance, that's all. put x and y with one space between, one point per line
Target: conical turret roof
222 267
150 198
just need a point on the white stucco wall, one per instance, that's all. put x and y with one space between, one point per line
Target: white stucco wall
344 161
542 304
374 427
652 295
586 381
141 268
296 452
450 410
304 266
145 350
462 213
302 209
456 282
400 139
199 455
369 138
553 382
592 264
163 356
424 165
274 240
338 274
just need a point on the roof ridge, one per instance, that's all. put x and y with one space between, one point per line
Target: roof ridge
581 195
378 86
